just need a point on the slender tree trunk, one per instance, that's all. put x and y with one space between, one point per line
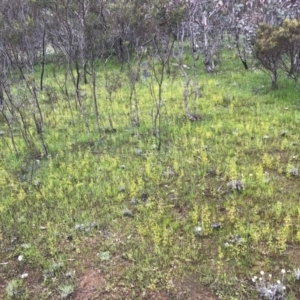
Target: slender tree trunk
10 131
274 79
43 59
85 73
39 130
76 82
159 78
95 94
242 57
133 99
2 103
66 81
186 92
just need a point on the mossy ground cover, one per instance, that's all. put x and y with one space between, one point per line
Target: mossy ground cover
111 217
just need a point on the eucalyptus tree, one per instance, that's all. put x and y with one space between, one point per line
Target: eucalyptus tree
289 39
278 47
268 52
276 39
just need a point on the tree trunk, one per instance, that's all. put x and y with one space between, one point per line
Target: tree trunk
43 60
1 98
274 80
94 93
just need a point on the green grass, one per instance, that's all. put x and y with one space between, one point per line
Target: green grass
68 209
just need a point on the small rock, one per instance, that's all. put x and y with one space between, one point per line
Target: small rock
294 172
122 189
145 197
236 185
236 240
283 133
216 226
70 238
127 213
13 239
94 225
79 226
69 275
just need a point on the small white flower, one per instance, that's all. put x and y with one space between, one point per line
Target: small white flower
283 271
278 281
24 275
270 275
284 288
254 279
20 257
260 278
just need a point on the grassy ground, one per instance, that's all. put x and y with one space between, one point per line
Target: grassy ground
118 219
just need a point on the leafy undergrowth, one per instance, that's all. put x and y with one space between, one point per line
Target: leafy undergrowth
111 217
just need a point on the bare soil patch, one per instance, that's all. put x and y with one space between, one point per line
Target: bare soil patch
90 285
192 290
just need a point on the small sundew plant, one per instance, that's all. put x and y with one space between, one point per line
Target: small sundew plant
16 289
52 270
66 290
269 288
